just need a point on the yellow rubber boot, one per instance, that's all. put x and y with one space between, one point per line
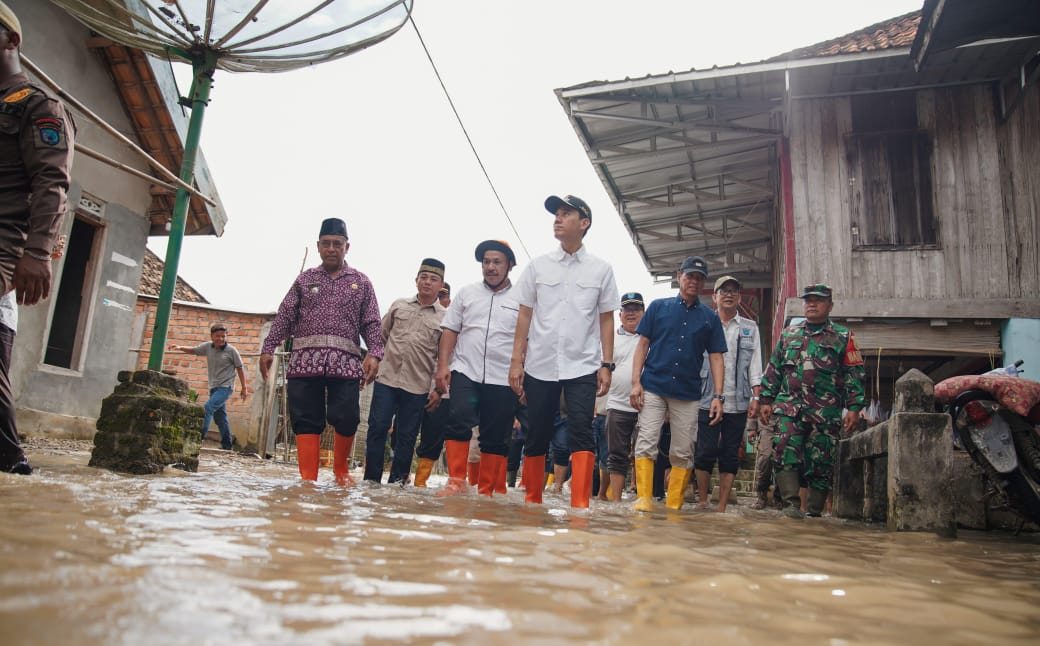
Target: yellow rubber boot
677 482
422 471
644 485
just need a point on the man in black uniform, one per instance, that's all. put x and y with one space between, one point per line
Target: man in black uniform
36 143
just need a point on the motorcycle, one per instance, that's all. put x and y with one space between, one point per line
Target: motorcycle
994 418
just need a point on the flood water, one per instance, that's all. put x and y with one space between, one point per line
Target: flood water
243 552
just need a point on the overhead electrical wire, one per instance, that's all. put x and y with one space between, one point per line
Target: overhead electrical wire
468 139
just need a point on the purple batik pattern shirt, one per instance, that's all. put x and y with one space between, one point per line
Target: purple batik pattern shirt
327 318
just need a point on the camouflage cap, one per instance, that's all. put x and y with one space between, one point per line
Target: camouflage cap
817 289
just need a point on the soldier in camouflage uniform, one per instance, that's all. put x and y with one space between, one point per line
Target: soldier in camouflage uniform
815 372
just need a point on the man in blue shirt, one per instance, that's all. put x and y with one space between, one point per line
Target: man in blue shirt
674 334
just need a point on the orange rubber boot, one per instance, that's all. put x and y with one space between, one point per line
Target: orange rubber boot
500 476
492 474
307 449
456 452
341 460
486 474
534 478
474 473
422 472
582 464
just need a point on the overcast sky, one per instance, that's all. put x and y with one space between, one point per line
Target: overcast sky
372 139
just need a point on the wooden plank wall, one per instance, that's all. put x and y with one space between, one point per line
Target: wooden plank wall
986 196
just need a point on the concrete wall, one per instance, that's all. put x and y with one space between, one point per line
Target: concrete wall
1020 339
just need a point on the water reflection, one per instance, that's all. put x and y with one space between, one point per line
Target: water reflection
243 552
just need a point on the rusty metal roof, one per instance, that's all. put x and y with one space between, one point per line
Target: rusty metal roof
149 94
895 32
151 279
690 159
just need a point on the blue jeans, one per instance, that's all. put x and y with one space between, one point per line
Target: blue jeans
599 434
402 409
216 410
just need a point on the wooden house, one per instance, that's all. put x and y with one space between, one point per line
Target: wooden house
911 190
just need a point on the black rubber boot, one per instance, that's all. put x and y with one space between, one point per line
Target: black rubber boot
21 468
814 504
511 479
787 481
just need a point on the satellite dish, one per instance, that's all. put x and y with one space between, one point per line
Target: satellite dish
245 35
237 36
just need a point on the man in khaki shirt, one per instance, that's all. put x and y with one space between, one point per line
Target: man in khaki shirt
411 334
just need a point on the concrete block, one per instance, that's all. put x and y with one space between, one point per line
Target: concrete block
918 489
914 393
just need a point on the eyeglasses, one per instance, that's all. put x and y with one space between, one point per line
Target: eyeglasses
729 292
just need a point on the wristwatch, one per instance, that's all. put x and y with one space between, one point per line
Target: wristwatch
721 398
756 398
608 365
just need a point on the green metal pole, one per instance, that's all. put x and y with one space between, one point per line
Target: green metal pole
203 65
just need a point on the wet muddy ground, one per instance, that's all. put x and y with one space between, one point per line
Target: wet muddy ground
243 552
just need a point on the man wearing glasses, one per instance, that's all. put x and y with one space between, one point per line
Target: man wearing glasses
740 387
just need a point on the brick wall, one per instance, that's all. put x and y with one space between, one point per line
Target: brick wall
189 325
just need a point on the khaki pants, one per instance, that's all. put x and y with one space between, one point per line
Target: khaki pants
683 422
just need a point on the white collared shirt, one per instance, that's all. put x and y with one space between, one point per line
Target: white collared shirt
485 322
567 292
621 382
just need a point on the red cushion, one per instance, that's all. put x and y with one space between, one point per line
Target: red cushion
1014 393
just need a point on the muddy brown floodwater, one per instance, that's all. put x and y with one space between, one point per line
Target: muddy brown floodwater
243 553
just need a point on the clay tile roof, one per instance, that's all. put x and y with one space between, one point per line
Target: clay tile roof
890 34
151 281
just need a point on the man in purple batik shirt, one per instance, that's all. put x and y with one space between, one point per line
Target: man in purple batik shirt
327 312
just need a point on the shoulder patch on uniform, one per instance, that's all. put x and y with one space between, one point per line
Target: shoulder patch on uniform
20 95
49 130
852 353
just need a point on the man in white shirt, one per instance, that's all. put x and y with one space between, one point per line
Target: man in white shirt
564 342
740 387
621 416
475 338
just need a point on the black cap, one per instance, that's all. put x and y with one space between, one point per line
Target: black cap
445 289
433 266
333 227
817 289
552 203
694 263
495 245
632 298
217 326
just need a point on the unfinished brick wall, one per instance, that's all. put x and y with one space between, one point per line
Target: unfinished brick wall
189 325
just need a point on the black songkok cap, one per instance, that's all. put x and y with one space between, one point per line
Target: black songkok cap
333 227
433 266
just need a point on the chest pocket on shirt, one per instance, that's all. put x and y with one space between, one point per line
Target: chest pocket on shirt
747 342
547 291
586 295
793 352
